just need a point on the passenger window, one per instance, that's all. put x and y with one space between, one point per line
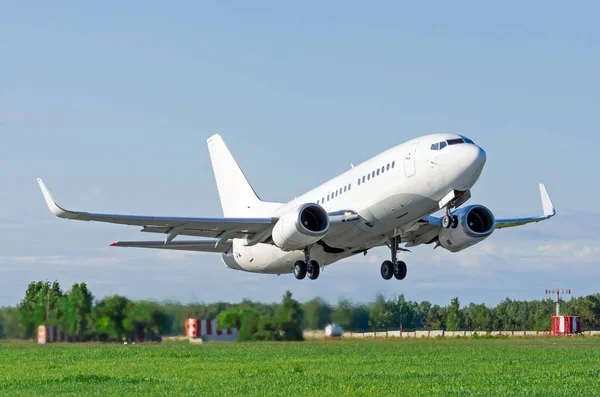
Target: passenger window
327 197
373 174
345 188
442 145
358 181
393 164
322 200
368 177
388 167
363 179
435 146
349 186
336 193
377 171
382 170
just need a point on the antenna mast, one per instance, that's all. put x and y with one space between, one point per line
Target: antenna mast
558 292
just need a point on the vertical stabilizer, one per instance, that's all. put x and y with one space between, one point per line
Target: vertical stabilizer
238 199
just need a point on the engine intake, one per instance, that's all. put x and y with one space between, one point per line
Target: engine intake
300 227
475 224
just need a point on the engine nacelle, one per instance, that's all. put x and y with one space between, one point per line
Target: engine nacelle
300 227
475 224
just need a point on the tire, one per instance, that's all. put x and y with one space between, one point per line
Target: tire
387 270
313 270
400 271
454 221
446 222
300 270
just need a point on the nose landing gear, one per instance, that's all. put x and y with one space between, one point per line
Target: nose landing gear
449 220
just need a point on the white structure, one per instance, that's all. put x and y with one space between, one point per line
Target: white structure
387 200
333 330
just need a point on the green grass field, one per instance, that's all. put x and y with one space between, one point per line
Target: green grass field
550 366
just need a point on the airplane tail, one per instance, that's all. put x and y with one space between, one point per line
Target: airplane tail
238 198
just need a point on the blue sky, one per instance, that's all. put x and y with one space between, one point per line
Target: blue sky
112 103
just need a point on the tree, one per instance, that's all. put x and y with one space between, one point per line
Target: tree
77 310
42 304
588 308
109 315
342 314
420 315
249 320
289 317
403 312
477 317
12 326
436 318
380 314
317 314
145 318
454 321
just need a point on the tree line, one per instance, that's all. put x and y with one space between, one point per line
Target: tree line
114 318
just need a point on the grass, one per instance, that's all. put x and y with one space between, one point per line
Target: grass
544 367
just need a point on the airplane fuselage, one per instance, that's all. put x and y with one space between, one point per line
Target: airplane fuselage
390 192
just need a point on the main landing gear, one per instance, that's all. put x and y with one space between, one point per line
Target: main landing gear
393 268
307 267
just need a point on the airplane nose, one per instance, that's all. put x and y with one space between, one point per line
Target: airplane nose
474 158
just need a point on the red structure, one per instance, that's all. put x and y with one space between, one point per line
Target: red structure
46 334
207 329
191 327
565 325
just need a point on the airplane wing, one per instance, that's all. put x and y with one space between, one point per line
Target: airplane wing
549 212
206 245
425 231
221 228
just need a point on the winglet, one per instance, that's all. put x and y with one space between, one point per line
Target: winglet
51 203
549 210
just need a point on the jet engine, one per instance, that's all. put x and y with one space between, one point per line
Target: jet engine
301 227
475 224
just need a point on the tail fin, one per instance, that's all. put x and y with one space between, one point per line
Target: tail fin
238 198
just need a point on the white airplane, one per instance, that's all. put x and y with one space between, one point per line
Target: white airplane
387 200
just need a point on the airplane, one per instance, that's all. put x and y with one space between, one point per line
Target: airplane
387 200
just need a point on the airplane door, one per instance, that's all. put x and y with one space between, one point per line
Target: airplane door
409 160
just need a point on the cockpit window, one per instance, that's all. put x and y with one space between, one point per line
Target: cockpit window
438 146
456 141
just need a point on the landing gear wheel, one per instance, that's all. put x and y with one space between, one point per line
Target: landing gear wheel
387 270
454 221
447 221
312 270
300 270
400 270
